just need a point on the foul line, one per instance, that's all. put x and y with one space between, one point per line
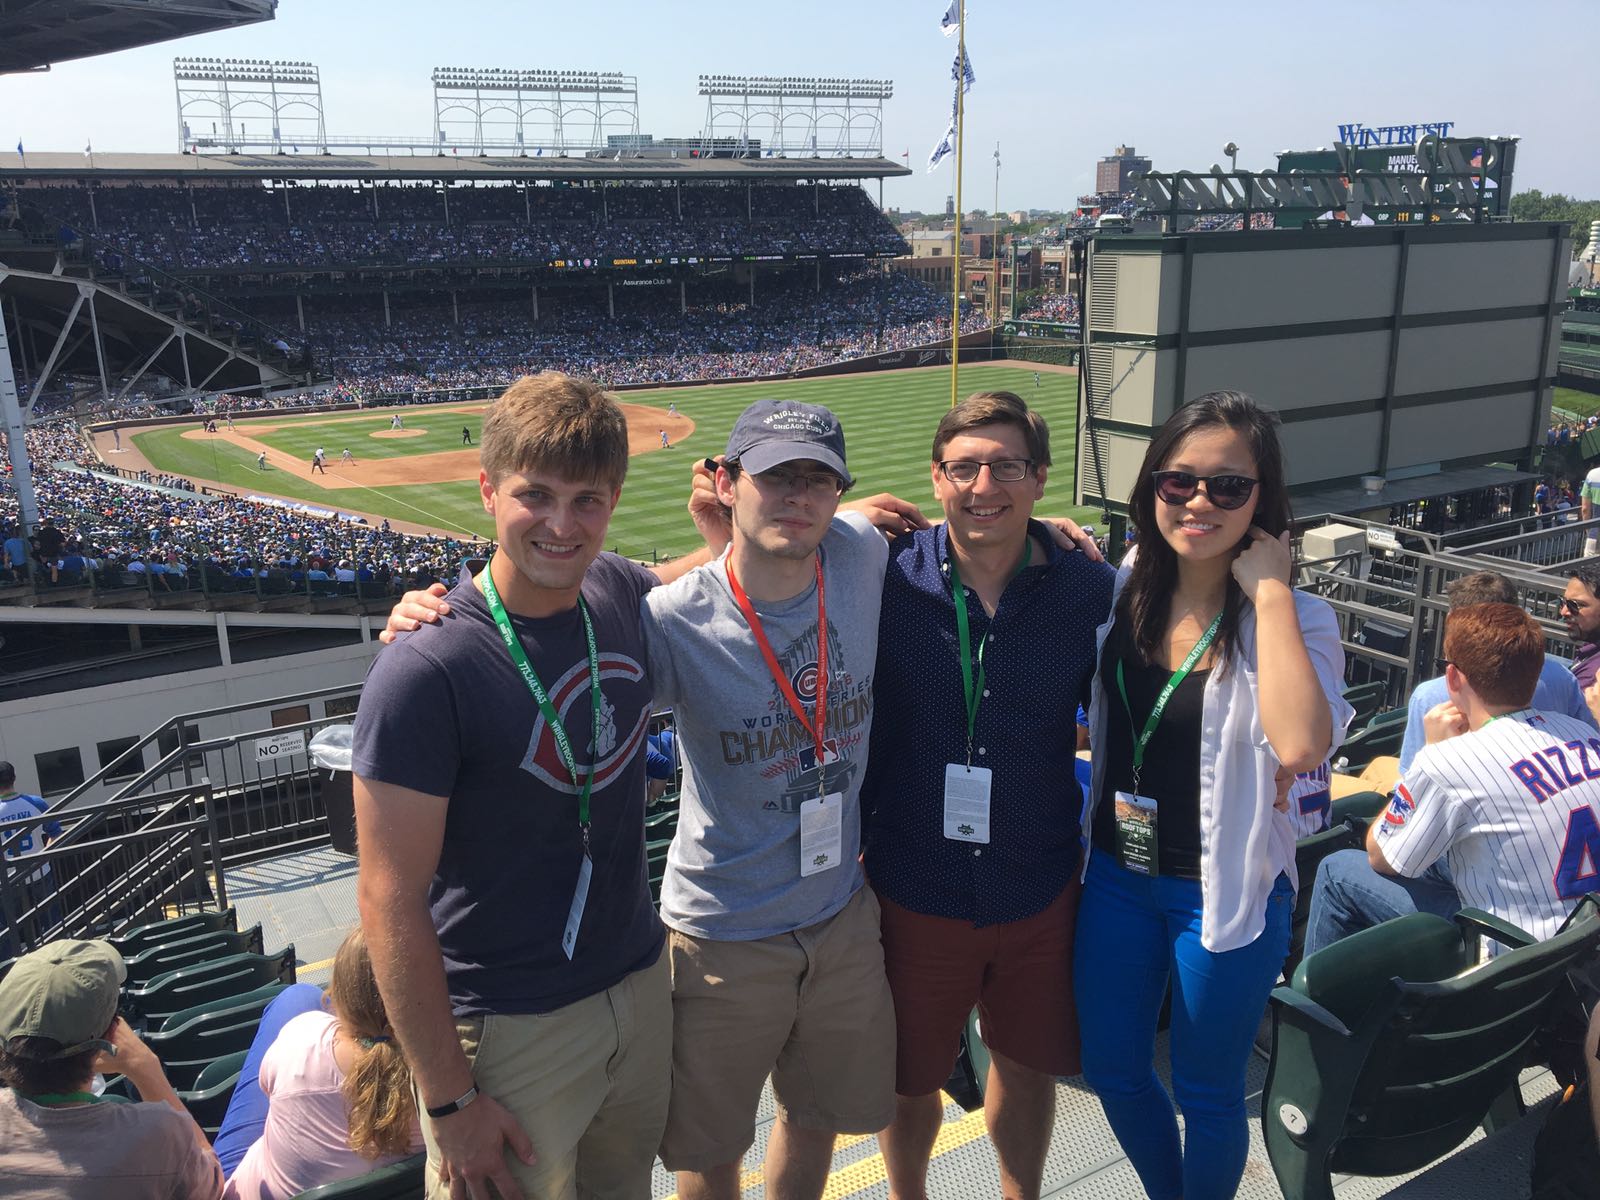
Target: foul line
395 500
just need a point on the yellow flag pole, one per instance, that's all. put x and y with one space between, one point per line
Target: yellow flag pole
955 280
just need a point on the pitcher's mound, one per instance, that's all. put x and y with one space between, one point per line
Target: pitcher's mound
399 433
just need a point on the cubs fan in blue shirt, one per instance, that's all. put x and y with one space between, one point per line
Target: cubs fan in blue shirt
1508 795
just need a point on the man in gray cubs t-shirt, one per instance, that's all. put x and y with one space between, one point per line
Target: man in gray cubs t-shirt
733 872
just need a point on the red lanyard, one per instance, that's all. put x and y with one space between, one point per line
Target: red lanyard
815 729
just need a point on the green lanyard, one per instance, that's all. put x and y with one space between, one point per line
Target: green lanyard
1178 677
54 1099
972 689
519 656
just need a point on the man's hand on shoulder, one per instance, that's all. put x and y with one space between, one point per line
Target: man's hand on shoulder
1069 536
890 515
472 1146
1442 722
415 610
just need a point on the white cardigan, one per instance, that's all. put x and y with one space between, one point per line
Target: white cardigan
1244 842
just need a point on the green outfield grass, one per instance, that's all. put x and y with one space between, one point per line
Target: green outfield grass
1579 404
888 420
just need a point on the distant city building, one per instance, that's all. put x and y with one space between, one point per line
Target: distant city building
950 207
1111 175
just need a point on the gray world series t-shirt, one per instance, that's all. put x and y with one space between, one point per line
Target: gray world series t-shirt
733 872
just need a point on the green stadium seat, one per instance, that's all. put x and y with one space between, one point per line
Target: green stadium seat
235 975
1366 699
1358 808
398 1181
196 1037
162 957
142 937
1376 739
1390 1048
207 1101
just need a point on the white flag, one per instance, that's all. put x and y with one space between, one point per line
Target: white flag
951 21
947 145
957 73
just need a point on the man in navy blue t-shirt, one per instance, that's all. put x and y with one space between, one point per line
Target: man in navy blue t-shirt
503 881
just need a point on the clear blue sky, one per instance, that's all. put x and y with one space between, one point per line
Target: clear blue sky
1059 83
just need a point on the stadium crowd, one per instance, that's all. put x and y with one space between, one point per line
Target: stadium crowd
249 226
1053 306
723 336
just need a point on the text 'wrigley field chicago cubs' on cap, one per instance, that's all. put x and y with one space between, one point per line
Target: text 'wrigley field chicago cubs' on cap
771 432
65 991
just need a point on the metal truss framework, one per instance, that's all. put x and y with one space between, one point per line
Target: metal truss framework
533 112
228 105
796 115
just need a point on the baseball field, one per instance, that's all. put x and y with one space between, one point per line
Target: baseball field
425 476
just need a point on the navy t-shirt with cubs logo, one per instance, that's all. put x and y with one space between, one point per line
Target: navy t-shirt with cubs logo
445 712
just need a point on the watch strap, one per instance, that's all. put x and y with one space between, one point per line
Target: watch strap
456 1105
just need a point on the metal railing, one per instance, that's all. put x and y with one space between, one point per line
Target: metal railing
124 861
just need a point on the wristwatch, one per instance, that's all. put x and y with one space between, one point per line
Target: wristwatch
456 1105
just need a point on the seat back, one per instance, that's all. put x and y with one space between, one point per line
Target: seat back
163 957
232 976
207 1101
398 1181
131 941
1359 749
1432 1044
1366 699
1357 809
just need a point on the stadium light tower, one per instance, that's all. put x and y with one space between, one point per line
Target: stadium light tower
217 96
532 112
806 115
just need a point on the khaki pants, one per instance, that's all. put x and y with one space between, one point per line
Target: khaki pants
589 1084
811 1008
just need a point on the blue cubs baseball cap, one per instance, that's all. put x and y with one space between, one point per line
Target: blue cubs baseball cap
772 432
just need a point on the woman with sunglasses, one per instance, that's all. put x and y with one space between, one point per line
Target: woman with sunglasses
1216 679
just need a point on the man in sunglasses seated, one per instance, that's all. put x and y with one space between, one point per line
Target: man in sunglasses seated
1580 608
1504 793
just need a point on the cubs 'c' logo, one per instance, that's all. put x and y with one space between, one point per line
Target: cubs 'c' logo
804 682
569 697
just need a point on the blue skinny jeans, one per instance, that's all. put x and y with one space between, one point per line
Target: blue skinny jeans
1134 935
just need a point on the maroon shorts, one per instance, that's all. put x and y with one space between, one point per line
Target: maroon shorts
1018 976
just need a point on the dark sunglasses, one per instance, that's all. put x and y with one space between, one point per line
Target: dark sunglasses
1225 491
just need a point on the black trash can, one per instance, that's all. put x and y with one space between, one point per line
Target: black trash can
330 754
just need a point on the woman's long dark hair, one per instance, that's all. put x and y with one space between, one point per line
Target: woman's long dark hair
1147 598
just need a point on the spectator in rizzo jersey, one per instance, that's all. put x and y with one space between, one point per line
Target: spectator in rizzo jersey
1580 608
1508 795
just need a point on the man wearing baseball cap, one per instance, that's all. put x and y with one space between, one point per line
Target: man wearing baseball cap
58 1028
766 657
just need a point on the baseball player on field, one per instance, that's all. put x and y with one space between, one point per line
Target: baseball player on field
1509 795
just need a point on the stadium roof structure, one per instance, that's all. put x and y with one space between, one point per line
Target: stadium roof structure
36 33
216 168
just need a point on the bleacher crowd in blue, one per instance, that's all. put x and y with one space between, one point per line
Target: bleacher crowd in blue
887 822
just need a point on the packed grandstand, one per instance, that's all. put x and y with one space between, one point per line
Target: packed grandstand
452 316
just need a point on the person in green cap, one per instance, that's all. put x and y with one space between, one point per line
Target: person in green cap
59 1028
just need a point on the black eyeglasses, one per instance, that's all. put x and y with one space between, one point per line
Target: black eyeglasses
1572 606
1225 491
1001 470
818 483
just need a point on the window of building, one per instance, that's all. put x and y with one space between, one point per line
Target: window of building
341 706
295 715
112 752
167 742
59 770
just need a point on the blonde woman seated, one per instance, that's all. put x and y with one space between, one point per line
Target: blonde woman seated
324 1095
